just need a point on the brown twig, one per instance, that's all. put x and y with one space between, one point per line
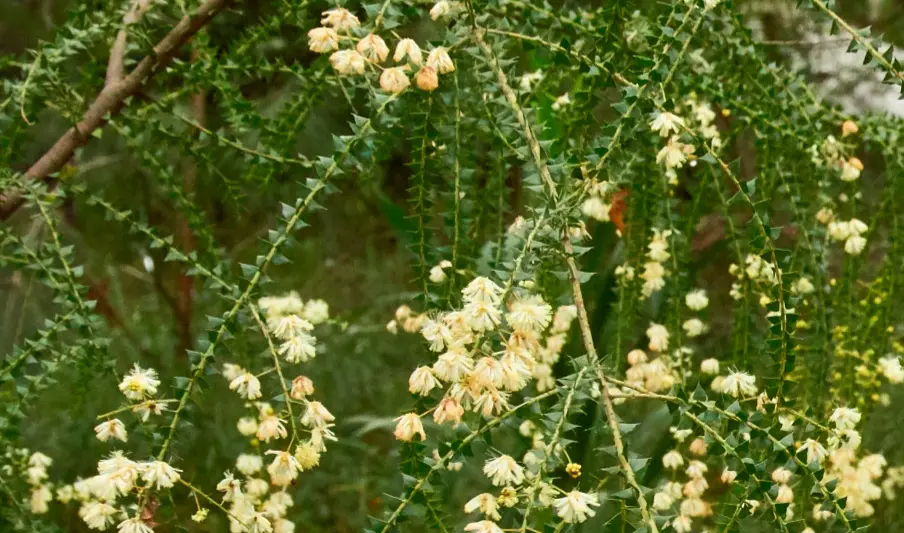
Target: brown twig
110 101
116 66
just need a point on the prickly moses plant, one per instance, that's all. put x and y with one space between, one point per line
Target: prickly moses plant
637 276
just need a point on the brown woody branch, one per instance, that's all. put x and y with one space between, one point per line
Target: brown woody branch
110 101
116 67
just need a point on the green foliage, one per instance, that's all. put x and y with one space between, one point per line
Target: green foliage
607 160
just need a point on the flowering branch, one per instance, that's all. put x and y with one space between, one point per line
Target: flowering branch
611 417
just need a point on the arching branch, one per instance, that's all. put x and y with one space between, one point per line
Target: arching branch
110 101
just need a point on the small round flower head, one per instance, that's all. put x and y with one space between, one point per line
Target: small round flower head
487 505
503 471
284 468
694 327
111 429
231 371
259 523
674 153
682 524
739 384
662 501
439 59
98 515
408 426
134 525
488 373
672 460
285 327
159 474
855 245
845 418
781 475
443 9
728 476
839 230
658 248
271 427
231 487
39 460
422 381
482 289
453 365
394 80
575 507
426 79
594 207
698 447
323 40
348 62
316 415
659 337
710 366
374 48
247 386
696 300
560 102
340 19
437 274
201 515
408 48
302 387
139 383
299 349
316 311
448 410
890 367
249 464
849 127
696 470
40 498
784 495
481 316
307 455
816 452
665 123
693 507
484 526
247 426
530 313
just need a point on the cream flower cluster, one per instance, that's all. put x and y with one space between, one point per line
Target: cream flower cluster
139 386
687 497
674 154
761 273
695 300
653 375
257 497
290 320
851 233
599 200
654 271
36 476
504 472
103 498
474 376
371 51
118 477
858 479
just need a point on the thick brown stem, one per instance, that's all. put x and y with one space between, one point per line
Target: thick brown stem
110 101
